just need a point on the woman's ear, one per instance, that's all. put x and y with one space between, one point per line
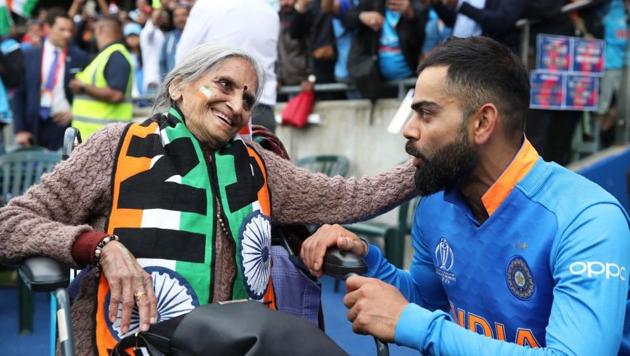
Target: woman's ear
175 89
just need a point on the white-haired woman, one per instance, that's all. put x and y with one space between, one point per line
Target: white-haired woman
176 211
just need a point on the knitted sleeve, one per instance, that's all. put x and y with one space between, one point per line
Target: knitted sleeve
47 219
300 196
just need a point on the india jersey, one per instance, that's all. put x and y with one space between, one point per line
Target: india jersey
548 269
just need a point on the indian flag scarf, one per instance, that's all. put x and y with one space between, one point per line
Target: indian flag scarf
164 210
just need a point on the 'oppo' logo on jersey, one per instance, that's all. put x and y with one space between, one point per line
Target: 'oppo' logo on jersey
596 269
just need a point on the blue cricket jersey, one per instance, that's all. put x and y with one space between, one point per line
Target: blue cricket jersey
546 273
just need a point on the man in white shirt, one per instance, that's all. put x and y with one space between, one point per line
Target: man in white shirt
41 104
249 24
151 42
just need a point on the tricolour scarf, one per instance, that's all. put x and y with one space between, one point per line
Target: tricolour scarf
164 210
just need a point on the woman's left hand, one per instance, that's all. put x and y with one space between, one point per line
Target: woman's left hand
129 285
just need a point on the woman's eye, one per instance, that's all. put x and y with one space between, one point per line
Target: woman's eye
225 84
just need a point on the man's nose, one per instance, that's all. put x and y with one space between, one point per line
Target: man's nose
411 130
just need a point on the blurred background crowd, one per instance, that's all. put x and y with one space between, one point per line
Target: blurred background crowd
344 49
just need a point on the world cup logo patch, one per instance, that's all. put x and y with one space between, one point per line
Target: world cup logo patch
444 261
519 278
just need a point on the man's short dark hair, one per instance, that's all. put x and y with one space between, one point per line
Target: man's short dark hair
112 24
54 13
481 70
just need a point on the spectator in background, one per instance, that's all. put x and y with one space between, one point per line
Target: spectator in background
34 34
616 37
551 131
11 70
41 104
292 66
84 15
252 25
435 32
310 24
151 42
391 28
343 36
167 58
105 84
131 31
142 12
493 18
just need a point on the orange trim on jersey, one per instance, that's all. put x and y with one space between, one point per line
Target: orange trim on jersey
522 163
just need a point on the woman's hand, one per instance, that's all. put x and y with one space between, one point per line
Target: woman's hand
129 285
314 248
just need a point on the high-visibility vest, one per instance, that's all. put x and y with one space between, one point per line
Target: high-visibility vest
90 114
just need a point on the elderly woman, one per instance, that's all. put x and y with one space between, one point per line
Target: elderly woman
176 211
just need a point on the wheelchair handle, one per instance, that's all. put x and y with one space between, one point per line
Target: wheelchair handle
343 264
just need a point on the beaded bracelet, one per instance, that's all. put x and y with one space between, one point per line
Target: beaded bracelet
99 251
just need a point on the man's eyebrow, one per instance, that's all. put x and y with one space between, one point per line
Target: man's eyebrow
423 104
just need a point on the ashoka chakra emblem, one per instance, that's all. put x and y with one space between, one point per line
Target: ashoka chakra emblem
174 294
255 254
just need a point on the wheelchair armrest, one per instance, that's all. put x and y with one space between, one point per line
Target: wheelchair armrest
43 274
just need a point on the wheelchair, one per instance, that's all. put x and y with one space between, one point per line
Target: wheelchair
42 274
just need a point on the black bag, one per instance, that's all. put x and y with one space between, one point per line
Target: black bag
233 328
365 74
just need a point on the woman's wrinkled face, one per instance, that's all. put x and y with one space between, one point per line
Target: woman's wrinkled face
218 104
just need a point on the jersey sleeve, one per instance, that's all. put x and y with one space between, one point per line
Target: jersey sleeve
589 260
420 284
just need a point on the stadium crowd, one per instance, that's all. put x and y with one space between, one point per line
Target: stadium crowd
363 43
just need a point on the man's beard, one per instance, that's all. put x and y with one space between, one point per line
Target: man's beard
448 167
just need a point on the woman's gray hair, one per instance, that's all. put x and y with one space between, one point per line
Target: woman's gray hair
197 63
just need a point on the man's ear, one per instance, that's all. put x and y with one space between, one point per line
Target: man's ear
175 89
485 123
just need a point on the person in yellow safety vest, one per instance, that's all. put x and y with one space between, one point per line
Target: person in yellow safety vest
103 88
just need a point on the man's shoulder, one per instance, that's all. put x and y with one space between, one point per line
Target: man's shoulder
77 53
117 60
564 192
32 52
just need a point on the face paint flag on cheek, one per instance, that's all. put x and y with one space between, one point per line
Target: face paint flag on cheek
205 92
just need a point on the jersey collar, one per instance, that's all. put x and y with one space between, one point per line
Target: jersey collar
522 163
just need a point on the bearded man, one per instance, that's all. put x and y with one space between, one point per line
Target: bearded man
512 254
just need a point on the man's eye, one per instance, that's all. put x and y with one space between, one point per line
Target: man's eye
425 114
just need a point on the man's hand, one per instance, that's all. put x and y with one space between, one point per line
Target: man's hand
374 307
314 248
301 5
62 118
24 138
76 85
402 7
372 19
129 285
